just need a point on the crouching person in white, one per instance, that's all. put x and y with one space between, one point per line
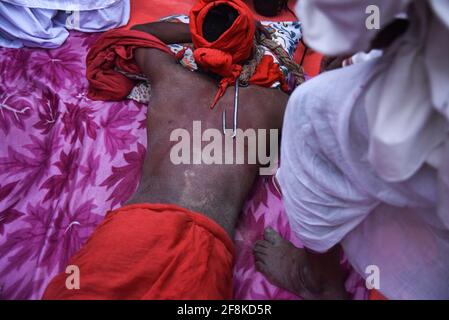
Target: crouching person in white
365 157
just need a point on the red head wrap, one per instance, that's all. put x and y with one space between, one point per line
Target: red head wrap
233 47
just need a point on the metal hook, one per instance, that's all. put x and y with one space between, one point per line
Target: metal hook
236 110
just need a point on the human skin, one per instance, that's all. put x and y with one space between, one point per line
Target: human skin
180 97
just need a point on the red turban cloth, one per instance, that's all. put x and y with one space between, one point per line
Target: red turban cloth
115 49
225 55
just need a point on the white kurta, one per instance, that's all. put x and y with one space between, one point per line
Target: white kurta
365 152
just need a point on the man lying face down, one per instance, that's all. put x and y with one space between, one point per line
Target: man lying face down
173 238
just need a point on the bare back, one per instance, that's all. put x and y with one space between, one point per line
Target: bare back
178 98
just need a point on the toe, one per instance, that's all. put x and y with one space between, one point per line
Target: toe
262 244
272 236
260 266
260 256
260 249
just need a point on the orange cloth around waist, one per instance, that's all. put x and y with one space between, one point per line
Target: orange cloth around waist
152 251
376 295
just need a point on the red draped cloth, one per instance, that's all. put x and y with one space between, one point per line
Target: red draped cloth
226 55
115 49
151 251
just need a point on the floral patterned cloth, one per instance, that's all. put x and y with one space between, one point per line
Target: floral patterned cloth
66 160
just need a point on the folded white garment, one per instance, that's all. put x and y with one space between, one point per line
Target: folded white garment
365 149
45 24
65 4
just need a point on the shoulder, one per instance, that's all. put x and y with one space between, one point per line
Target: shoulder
155 63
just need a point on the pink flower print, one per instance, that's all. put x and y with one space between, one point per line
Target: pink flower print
89 170
33 168
7 216
126 178
14 109
116 139
77 122
68 167
58 66
49 112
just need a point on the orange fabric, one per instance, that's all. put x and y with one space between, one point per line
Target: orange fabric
235 43
312 60
152 251
376 295
268 72
107 84
113 49
225 55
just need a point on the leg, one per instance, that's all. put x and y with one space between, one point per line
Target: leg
309 275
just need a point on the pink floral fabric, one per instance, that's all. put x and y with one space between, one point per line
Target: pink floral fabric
66 160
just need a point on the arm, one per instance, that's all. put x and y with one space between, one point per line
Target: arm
154 63
168 32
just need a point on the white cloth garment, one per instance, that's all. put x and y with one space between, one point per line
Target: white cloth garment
68 5
45 24
365 151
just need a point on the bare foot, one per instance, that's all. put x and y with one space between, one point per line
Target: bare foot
291 268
